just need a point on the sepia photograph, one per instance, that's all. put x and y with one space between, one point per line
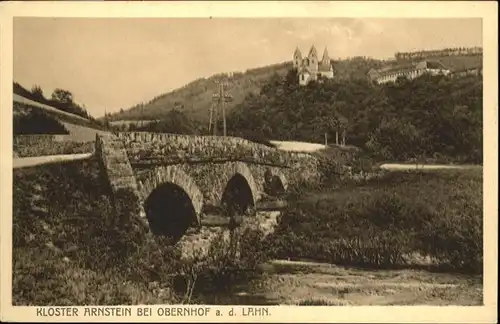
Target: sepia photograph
245 161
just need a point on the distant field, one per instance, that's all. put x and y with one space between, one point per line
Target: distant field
454 63
298 146
459 63
129 122
412 166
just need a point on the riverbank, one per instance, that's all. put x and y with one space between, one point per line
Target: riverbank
309 283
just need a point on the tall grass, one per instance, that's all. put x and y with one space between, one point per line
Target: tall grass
383 222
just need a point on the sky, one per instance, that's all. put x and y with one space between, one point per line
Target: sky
114 63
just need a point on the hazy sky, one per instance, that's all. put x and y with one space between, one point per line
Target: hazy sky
115 63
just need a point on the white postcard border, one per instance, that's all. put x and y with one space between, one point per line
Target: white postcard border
381 314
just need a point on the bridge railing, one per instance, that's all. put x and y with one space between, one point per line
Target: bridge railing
147 147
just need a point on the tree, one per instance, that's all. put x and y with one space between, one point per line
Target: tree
37 93
62 96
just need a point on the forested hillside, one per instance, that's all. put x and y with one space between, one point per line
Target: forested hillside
433 117
195 98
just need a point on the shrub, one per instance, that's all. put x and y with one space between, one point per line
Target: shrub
37 122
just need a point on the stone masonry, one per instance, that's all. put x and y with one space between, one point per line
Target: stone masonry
202 166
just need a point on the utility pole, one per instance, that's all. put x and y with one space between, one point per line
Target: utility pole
210 122
220 99
142 116
106 118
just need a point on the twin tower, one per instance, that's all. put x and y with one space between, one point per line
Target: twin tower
310 67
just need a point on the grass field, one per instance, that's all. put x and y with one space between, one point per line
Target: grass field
386 222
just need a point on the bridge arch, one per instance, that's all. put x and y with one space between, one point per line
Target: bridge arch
172 201
240 190
275 182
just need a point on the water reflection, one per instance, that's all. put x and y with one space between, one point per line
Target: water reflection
237 294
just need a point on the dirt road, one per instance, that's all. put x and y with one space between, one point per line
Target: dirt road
37 160
400 166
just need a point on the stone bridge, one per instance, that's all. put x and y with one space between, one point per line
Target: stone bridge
201 184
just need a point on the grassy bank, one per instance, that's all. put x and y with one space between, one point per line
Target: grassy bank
70 248
65 245
389 222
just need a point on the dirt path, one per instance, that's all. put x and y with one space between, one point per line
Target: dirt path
324 284
37 160
400 166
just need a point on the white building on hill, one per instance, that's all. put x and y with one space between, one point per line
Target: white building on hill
410 71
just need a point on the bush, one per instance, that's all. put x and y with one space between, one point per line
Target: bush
37 122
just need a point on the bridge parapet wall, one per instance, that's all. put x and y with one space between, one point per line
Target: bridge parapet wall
38 145
159 148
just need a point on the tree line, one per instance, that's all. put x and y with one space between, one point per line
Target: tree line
429 117
60 99
442 52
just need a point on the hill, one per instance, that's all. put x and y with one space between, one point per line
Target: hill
196 97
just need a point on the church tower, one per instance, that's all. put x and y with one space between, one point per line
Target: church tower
325 67
297 58
313 60
326 59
